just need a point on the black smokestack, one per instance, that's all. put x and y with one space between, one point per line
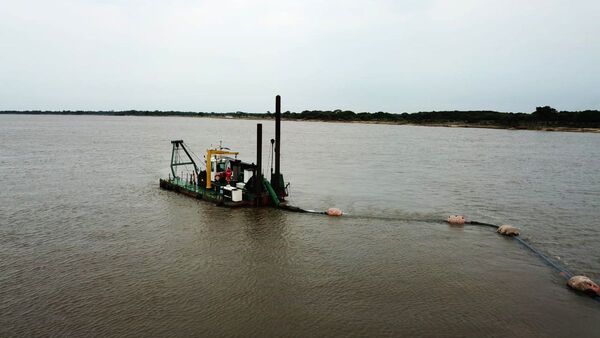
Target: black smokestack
276 187
258 177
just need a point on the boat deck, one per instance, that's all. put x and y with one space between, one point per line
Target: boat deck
183 187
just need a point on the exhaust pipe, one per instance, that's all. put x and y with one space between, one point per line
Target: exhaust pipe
277 179
258 176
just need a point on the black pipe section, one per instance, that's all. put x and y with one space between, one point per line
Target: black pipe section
277 180
258 176
190 157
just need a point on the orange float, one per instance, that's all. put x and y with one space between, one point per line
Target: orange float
334 212
456 220
584 284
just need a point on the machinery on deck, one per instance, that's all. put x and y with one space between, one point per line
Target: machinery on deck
225 179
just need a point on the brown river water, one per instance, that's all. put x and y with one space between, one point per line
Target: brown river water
90 246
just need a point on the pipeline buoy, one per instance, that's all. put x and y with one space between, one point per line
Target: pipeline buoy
456 220
334 212
508 230
584 284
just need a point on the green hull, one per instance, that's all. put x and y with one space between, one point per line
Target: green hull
197 192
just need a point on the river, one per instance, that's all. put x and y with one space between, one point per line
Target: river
90 246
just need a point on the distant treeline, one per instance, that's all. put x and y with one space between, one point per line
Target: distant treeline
542 117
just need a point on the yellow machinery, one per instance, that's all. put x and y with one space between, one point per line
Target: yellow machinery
209 154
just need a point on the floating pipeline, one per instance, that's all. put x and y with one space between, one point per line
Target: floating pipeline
287 207
578 283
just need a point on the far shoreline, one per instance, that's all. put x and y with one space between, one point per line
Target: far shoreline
440 125
249 116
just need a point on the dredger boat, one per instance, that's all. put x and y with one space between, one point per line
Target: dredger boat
226 180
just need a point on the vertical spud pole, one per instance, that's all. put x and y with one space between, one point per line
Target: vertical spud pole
258 177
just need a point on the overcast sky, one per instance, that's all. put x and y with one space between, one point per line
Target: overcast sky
370 55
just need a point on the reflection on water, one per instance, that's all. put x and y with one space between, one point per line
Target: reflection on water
90 246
